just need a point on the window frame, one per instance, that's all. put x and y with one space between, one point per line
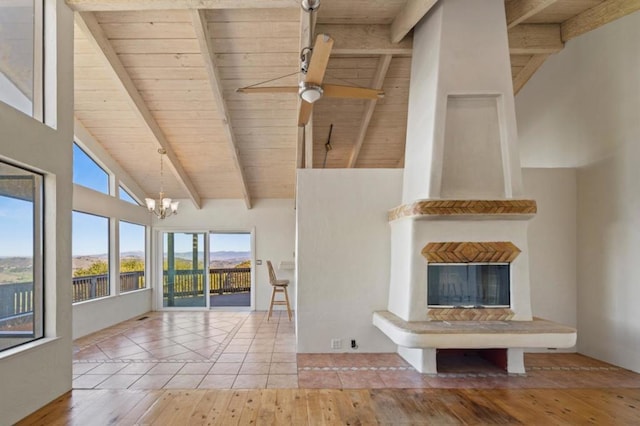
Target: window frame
105 170
37 64
109 256
145 257
10 340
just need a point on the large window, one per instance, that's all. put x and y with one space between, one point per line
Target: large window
21 55
125 196
21 286
132 256
90 249
87 172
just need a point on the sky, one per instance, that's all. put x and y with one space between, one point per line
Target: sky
16 223
90 232
217 242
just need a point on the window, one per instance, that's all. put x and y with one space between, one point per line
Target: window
90 250
21 278
125 196
21 55
132 256
87 172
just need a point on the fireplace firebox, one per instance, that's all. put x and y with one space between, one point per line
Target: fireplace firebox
471 285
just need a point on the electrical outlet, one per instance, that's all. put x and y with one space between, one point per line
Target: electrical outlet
336 343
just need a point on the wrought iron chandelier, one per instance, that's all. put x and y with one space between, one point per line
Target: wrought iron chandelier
162 207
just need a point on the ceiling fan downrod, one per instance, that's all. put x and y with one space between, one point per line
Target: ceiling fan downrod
310 5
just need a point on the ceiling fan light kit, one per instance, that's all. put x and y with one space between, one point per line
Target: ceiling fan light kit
313 88
310 5
310 92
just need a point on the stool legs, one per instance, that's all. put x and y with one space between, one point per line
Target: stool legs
278 289
286 297
273 301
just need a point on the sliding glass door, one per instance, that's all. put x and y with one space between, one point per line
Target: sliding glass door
230 269
183 270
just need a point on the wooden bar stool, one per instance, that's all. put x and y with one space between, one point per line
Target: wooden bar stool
279 286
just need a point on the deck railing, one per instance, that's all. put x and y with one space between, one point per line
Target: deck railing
94 286
17 298
222 280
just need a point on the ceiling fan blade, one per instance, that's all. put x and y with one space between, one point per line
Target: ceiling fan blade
319 59
335 91
305 113
272 89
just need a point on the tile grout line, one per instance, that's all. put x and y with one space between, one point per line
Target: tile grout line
214 357
225 342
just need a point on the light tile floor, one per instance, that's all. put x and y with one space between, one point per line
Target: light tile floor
240 350
189 350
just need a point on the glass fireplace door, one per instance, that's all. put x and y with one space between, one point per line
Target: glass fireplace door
468 285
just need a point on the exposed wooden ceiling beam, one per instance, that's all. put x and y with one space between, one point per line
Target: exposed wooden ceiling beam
107 5
535 39
408 17
206 47
364 40
520 10
349 40
597 16
527 72
378 81
89 25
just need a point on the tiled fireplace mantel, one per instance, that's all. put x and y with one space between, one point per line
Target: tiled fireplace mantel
465 209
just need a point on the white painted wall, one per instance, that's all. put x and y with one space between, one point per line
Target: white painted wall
552 243
583 102
94 315
274 224
34 374
581 109
344 256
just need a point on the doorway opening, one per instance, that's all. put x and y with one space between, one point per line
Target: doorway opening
230 269
184 281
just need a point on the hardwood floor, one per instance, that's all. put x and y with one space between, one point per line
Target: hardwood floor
211 368
342 406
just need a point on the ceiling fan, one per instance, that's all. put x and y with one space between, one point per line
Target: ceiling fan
312 89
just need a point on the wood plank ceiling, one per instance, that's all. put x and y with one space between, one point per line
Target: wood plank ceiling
161 74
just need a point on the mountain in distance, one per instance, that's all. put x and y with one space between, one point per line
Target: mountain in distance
135 254
214 255
219 259
217 255
225 255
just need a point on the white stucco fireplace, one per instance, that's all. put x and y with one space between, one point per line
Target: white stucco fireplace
463 211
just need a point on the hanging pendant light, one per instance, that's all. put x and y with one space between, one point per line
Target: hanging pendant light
162 207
